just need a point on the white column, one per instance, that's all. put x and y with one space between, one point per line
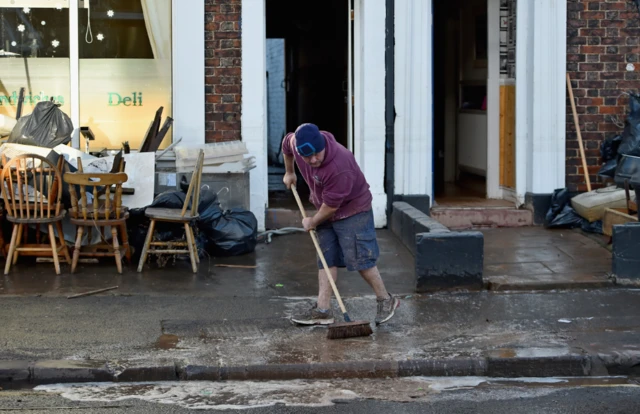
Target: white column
540 96
74 72
254 102
493 99
188 72
413 156
524 55
369 134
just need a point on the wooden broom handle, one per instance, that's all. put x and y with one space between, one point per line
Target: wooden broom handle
319 250
575 121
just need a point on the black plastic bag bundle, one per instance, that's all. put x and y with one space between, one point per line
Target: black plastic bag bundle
234 233
47 126
561 214
608 169
231 233
630 144
609 148
595 227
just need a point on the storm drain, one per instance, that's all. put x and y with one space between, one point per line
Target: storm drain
216 330
234 332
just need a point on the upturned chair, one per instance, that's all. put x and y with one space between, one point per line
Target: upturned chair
32 190
105 210
176 215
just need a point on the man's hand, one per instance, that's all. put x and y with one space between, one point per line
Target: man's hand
308 224
290 179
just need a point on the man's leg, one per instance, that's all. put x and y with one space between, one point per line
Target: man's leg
324 287
321 313
357 236
372 277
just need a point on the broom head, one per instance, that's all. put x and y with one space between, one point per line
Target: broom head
349 330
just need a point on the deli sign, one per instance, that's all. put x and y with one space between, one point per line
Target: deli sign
115 99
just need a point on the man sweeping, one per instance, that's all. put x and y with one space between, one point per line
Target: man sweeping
344 221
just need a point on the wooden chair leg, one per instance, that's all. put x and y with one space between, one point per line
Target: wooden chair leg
2 243
12 248
14 259
147 244
54 250
190 244
65 248
195 246
76 250
124 237
116 249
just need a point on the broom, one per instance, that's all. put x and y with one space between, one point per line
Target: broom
349 328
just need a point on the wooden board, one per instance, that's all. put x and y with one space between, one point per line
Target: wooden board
613 216
507 136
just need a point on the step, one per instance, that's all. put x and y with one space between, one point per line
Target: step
460 218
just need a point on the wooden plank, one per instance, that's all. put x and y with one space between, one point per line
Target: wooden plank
613 216
507 136
503 105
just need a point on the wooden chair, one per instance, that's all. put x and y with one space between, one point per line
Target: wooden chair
31 190
176 215
105 210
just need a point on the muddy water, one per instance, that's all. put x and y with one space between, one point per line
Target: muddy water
247 394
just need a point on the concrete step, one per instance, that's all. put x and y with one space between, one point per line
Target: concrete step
461 218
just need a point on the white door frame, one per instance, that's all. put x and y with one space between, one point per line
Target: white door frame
493 100
369 96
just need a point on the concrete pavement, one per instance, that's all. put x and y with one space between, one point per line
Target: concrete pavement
229 323
134 338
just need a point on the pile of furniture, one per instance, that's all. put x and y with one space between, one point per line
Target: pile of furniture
32 188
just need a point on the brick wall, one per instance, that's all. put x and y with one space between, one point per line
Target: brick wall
222 70
602 38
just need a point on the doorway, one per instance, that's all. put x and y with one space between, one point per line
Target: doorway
307 59
460 101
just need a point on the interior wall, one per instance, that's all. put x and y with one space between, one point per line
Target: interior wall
472 139
445 90
471 70
316 69
276 98
452 76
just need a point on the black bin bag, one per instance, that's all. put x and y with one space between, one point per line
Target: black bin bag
47 126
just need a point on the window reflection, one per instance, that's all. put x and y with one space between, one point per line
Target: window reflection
125 69
34 52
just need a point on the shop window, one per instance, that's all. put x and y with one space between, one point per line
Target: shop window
125 69
124 52
34 54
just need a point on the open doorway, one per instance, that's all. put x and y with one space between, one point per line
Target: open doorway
460 101
307 78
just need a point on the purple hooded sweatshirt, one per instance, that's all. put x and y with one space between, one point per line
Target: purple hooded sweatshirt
338 182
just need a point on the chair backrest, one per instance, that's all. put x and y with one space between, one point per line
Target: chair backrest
31 187
99 184
193 193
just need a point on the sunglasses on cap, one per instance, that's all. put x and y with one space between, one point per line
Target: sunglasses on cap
306 149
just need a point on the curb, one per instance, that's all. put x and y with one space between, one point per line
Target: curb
26 374
502 284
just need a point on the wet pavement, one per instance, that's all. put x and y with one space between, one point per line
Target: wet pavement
515 259
233 322
586 332
537 258
285 267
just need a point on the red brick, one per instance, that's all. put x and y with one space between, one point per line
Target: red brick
611 110
593 49
223 72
